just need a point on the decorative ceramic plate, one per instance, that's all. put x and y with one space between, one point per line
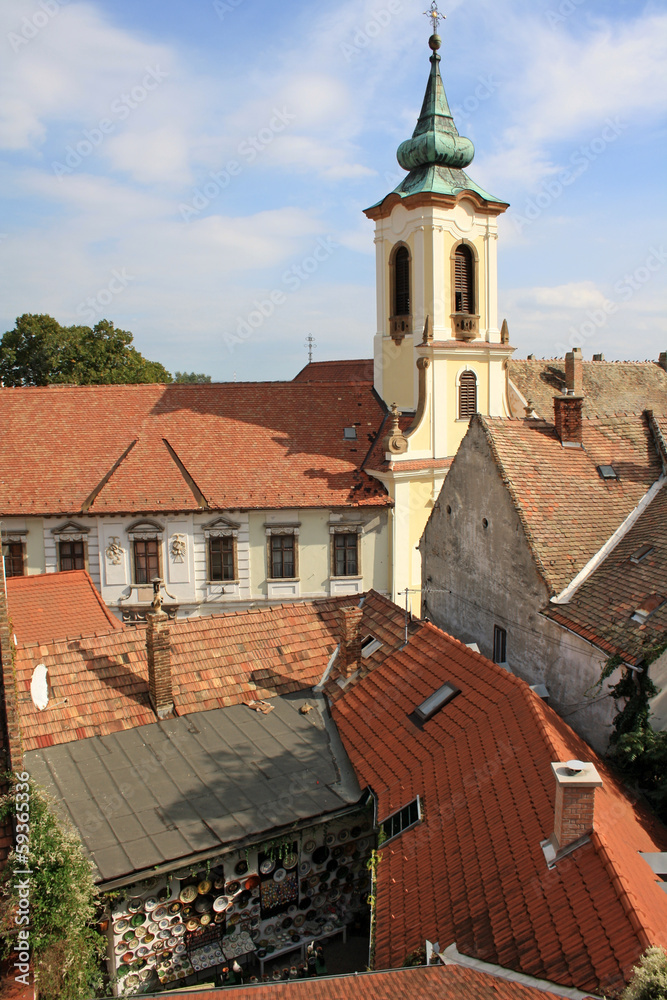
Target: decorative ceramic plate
318 901
164 935
137 920
252 882
205 919
188 894
330 839
299 920
292 911
304 869
290 861
150 904
121 925
314 880
279 875
309 846
121 947
128 935
142 952
192 924
179 949
267 866
175 907
334 895
220 904
204 887
159 912
343 836
241 867
132 981
269 929
233 888
135 904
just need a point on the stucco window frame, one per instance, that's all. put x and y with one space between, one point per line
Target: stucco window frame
15 537
273 530
221 527
341 528
460 372
474 315
400 324
71 532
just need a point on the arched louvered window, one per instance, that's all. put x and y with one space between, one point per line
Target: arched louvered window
402 282
467 394
464 264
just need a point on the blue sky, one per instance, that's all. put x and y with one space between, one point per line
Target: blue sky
169 165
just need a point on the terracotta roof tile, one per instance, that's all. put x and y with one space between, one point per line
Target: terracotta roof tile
101 682
602 608
482 769
355 370
448 982
56 606
152 447
567 509
610 387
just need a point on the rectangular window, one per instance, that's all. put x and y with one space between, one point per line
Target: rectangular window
499 644
13 553
146 560
221 558
72 555
402 820
345 554
282 550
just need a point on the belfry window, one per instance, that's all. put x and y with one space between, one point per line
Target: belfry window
467 395
464 298
402 282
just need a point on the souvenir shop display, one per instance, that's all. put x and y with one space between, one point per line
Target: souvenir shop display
255 902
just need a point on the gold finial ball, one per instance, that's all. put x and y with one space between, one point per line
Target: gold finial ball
435 42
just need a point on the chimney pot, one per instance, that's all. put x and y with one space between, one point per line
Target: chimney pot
576 782
598 357
568 419
349 652
574 370
158 652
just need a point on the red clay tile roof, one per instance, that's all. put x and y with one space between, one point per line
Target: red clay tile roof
337 371
473 871
609 386
99 685
56 606
115 449
567 509
441 982
601 609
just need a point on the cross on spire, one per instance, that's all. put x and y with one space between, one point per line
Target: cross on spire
435 16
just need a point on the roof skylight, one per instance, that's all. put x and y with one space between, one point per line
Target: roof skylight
641 552
607 472
369 645
436 701
350 433
649 605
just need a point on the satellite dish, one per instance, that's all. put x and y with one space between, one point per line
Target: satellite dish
39 687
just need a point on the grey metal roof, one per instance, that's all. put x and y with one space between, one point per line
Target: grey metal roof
166 791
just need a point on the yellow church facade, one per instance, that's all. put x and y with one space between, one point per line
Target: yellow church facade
439 352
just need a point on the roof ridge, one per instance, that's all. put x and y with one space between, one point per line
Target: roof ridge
621 887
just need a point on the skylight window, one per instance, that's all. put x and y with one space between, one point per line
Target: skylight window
607 472
641 553
369 645
402 820
648 606
436 701
350 433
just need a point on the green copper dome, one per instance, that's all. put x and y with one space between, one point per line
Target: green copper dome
436 153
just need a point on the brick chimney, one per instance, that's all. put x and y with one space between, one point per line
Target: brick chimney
349 652
158 651
574 371
662 359
568 420
576 782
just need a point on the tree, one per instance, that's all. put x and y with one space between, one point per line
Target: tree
649 980
191 378
62 898
39 351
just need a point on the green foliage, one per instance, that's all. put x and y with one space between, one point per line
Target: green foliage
191 378
66 950
39 351
649 981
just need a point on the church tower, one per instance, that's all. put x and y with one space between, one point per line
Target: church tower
439 354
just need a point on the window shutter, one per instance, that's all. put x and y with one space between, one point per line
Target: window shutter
467 394
463 284
402 282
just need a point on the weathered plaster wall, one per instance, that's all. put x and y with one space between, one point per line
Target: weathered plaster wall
478 576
